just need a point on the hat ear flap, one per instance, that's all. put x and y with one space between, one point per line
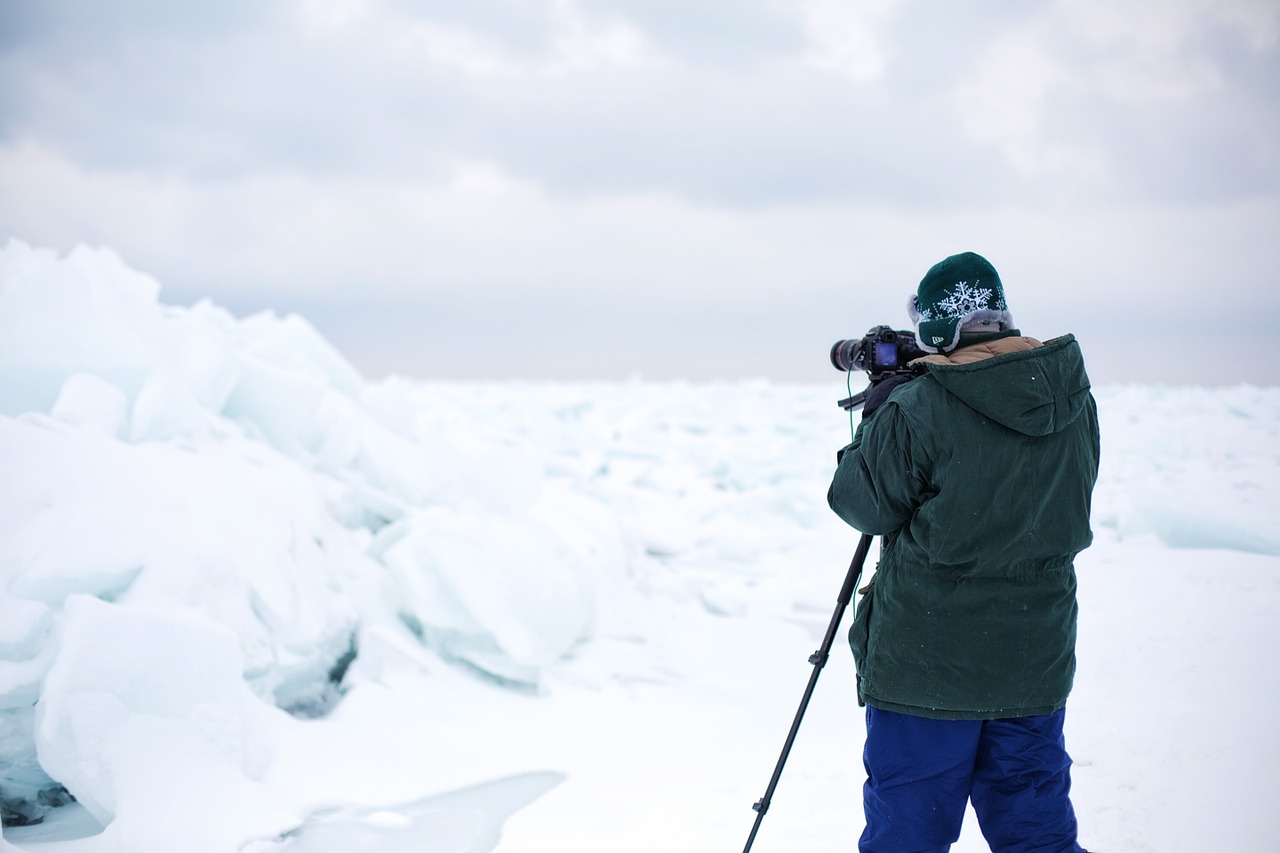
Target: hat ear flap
913 309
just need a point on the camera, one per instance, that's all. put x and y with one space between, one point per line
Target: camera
882 352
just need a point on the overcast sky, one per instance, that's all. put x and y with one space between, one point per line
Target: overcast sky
699 189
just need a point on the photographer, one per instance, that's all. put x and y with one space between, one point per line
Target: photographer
978 474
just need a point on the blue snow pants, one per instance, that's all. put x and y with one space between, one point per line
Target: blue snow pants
922 772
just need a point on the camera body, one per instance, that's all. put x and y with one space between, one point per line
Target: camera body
882 352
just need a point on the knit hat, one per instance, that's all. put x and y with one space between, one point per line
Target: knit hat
961 290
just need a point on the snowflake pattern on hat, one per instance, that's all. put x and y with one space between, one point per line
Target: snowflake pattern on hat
962 300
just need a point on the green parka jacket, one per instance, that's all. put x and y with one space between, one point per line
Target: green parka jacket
978 475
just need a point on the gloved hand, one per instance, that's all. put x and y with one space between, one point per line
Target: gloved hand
879 392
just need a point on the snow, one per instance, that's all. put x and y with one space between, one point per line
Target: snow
249 601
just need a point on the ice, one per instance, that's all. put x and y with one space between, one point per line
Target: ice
167 409
503 594
203 340
23 626
123 678
465 821
1196 469
180 459
234 535
25 657
20 679
277 398
92 403
522 617
85 313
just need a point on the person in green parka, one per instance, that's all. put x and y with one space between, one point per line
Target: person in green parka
978 475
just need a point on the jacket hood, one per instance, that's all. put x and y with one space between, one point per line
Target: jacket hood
1035 391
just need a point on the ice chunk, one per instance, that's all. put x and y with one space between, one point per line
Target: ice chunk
235 531
465 821
502 593
166 408
20 679
24 626
291 343
61 514
398 467
277 398
144 715
91 402
285 369
203 341
25 656
88 313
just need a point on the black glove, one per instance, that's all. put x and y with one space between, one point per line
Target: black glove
880 391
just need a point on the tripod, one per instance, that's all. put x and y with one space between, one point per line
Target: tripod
818 659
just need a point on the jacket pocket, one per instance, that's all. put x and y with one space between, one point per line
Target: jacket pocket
860 635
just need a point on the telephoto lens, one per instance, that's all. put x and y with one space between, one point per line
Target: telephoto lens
846 355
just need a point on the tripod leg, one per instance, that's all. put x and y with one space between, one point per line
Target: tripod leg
819 660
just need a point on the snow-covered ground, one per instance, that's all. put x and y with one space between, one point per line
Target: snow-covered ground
249 601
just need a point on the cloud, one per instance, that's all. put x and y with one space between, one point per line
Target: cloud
726 106
1170 105
626 96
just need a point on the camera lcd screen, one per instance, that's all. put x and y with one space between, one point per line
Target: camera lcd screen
886 353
